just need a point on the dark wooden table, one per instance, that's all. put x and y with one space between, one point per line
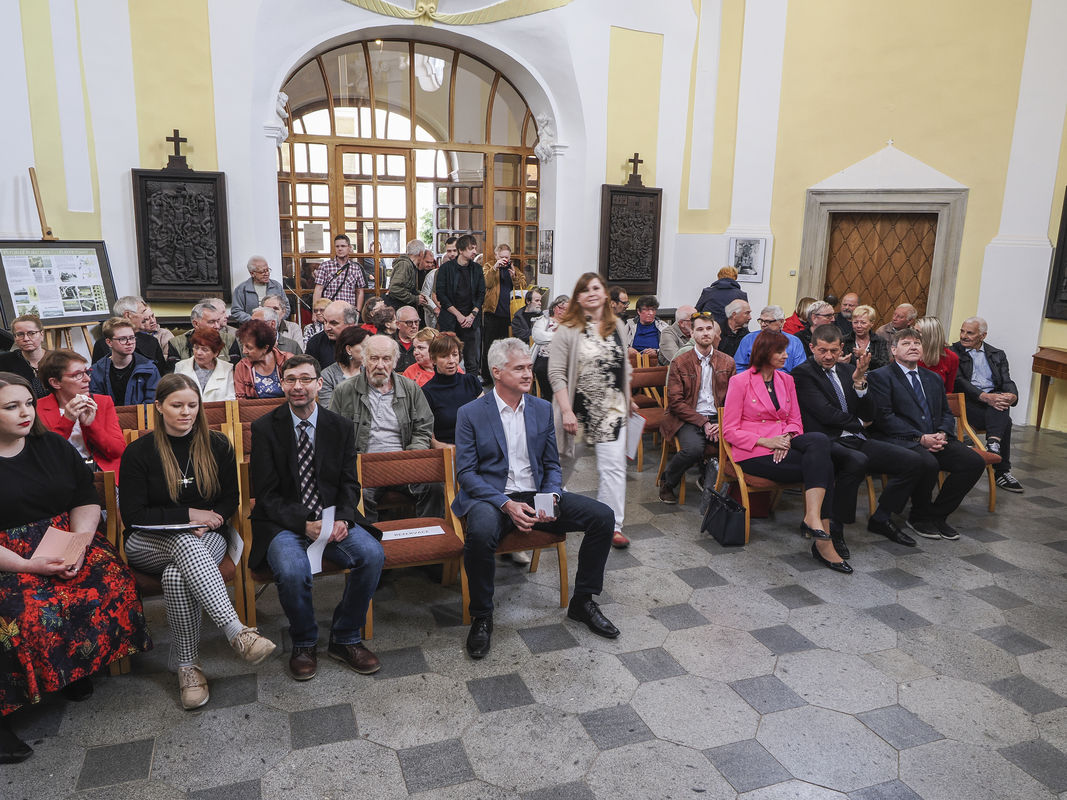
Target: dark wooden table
1049 363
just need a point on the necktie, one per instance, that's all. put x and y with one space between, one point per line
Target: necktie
305 459
837 389
920 397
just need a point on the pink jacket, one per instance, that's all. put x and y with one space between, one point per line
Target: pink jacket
750 415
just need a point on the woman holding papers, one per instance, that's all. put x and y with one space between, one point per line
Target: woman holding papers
181 480
61 618
590 375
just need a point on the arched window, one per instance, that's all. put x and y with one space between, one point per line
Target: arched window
395 140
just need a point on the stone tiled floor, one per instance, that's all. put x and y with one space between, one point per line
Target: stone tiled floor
937 673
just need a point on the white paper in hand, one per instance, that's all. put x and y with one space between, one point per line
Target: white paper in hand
544 501
316 548
634 428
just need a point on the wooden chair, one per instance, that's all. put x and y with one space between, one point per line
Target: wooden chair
958 408
104 482
131 418
249 410
668 445
647 385
731 472
219 411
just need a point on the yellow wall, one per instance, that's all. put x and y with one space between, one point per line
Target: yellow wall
634 68
941 79
172 80
1054 331
44 121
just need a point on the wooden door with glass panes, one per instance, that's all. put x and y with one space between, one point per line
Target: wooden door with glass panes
516 181
378 209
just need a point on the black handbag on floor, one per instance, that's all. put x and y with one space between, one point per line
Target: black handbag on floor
724 518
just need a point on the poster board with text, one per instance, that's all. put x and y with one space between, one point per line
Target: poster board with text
64 283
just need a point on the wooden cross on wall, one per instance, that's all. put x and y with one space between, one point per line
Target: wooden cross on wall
177 160
635 178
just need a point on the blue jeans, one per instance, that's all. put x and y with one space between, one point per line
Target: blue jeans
486 524
359 552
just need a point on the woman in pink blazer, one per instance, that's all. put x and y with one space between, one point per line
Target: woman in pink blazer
761 421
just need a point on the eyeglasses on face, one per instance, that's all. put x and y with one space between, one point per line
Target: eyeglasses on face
763 321
124 339
824 315
408 321
77 375
27 334
303 380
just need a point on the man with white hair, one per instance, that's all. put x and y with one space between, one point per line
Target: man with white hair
822 313
205 314
903 317
771 318
248 295
676 335
738 313
134 310
285 327
404 279
989 392
284 343
389 413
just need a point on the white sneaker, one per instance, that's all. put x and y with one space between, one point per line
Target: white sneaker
252 647
193 685
520 557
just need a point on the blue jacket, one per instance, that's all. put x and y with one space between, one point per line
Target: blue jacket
245 299
482 451
795 352
140 389
720 294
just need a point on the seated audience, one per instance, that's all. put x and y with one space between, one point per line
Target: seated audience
770 320
303 460
834 400
283 343
448 389
256 375
132 309
620 302
213 375
64 621
903 318
499 475
762 423
843 320
318 321
865 340
525 317
676 335
822 313
799 319
152 326
286 328
643 332
337 316
125 375
249 294
205 315
696 388
989 392
541 334
88 422
407 325
422 370
936 355
738 315
911 411
348 352
389 413
25 359
720 294
184 473
369 313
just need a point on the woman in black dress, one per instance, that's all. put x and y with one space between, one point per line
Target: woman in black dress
59 622
184 474
449 388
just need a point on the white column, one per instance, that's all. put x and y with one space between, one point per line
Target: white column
762 51
18 213
705 91
66 53
1021 253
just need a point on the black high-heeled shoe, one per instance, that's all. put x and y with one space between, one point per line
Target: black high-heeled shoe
840 566
812 533
12 748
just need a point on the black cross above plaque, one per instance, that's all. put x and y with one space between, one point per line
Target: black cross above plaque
177 160
634 178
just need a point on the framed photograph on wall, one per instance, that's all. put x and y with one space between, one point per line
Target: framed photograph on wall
63 283
544 251
1056 306
747 256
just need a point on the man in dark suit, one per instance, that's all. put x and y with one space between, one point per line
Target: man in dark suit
460 288
834 400
304 460
911 411
989 392
505 454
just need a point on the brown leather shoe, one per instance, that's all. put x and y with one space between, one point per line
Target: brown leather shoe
356 656
304 663
667 495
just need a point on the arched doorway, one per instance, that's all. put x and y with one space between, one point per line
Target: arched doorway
391 140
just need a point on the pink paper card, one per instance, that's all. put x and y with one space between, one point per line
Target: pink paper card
63 544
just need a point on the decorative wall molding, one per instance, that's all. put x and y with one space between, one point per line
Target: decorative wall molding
425 11
950 205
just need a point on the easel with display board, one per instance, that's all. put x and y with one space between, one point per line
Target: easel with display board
67 285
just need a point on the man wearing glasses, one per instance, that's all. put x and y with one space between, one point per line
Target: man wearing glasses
822 313
771 318
407 325
249 295
303 461
125 375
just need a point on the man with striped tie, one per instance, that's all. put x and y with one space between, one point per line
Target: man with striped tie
304 460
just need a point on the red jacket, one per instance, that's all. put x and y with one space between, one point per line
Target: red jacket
947 368
103 439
